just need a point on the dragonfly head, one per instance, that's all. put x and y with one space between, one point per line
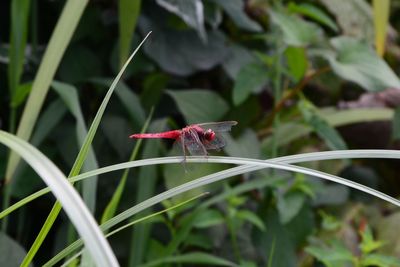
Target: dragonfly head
209 135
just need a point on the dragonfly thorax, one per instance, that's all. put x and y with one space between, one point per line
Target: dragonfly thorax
209 135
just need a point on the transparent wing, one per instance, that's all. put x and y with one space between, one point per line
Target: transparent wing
193 144
216 144
223 126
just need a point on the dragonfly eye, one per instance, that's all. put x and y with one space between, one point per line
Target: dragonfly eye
209 135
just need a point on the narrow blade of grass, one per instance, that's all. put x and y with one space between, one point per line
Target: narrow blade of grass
70 199
78 162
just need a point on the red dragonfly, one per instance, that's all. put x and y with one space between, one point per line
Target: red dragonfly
195 138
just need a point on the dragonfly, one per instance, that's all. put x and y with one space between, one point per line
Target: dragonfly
197 139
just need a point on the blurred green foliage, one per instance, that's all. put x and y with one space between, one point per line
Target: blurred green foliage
294 74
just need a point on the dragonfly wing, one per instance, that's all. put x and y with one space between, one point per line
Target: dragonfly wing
216 144
193 144
223 126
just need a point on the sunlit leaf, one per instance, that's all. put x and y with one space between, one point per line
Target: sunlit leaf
357 62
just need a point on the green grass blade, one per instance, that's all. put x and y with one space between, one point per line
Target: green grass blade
69 95
19 34
61 37
129 11
306 157
70 199
253 166
111 208
78 162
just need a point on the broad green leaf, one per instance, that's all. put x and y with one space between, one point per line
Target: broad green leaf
357 62
11 253
250 79
297 62
235 10
129 11
247 145
334 255
296 31
194 55
208 218
252 218
329 134
396 124
275 243
289 205
190 12
79 64
199 105
314 13
368 243
288 132
18 36
380 260
153 88
193 258
381 20
238 57
353 16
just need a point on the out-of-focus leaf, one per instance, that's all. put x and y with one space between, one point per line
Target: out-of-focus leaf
314 13
386 230
190 12
182 52
128 99
380 260
275 245
116 129
251 217
128 15
212 14
353 16
238 57
368 243
334 255
79 64
247 145
396 124
296 31
19 33
381 20
251 78
329 134
193 258
11 253
21 93
153 87
331 194
69 95
235 10
357 62
199 105
289 205
297 62
207 218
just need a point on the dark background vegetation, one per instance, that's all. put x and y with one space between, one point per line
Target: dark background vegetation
292 73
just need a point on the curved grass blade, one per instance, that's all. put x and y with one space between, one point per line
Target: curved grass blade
78 162
80 216
258 164
306 157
